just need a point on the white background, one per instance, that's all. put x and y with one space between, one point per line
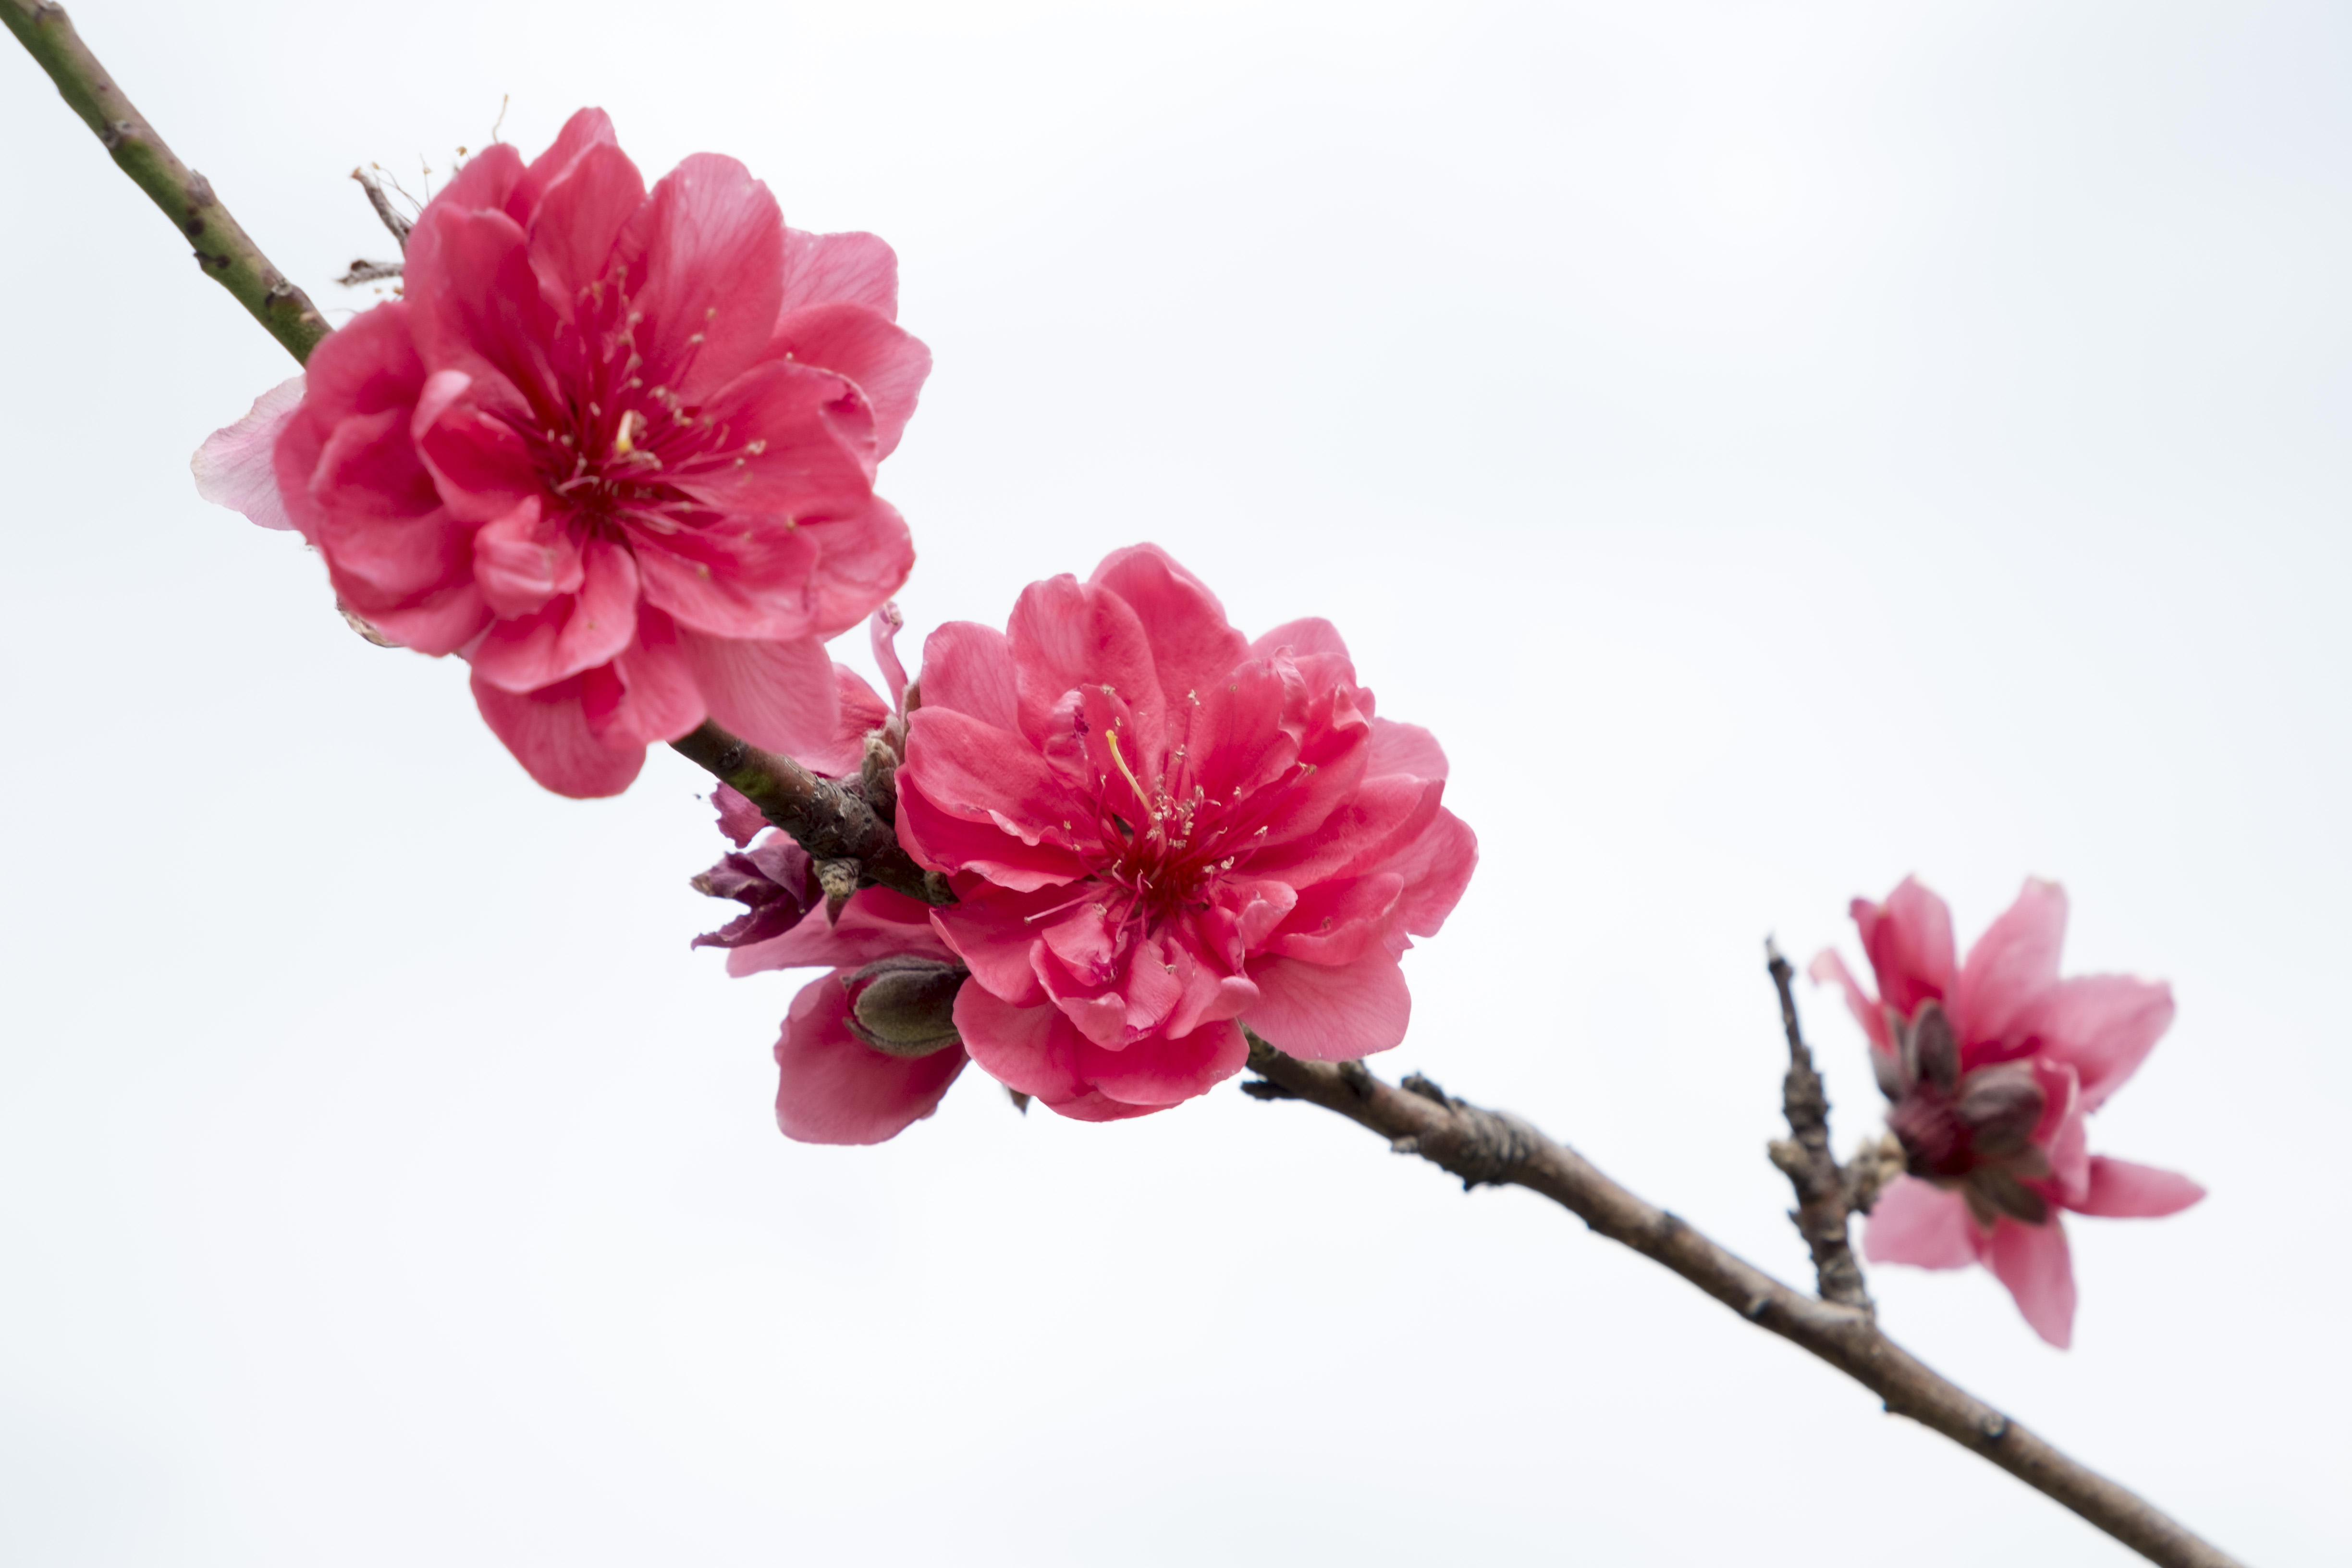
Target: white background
1777 447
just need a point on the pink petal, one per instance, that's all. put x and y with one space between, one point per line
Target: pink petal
2104 1025
586 129
832 1088
739 819
778 695
525 559
549 734
1193 647
655 696
2033 1262
1330 1015
1828 968
366 369
839 269
477 304
1065 636
887 362
875 924
706 260
1033 1049
861 712
1166 1071
236 467
568 635
571 232
993 931
974 797
747 579
864 552
488 179
480 466
1909 941
2012 965
969 668
1920 1224
2122 1190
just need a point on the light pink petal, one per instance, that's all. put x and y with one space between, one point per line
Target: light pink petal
1828 969
2122 1190
370 367
1920 1224
1330 1015
839 269
2033 1262
1909 941
2104 1026
969 668
1404 749
777 695
887 362
882 636
833 1087
706 260
2061 1132
236 467
2011 967
861 712
548 732
1312 635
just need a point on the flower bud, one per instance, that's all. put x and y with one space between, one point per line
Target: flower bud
905 1006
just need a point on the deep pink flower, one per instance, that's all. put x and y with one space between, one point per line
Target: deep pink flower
867 1049
1158 831
615 448
1992 1065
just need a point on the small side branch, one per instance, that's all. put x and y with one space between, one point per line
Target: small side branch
391 216
829 817
1804 1158
1485 1147
223 250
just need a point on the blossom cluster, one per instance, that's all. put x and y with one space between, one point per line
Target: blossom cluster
615 448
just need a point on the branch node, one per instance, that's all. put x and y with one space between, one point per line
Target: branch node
1408 1144
1413 1083
1266 1089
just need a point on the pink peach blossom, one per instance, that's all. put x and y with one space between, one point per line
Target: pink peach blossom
614 448
844 1073
1160 832
1992 1065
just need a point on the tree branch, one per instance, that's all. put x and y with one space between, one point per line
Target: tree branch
831 819
1484 1147
1804 1158
223 250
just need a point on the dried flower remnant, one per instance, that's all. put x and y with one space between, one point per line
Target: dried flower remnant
1158 831
1992 1065
615 448
869 1048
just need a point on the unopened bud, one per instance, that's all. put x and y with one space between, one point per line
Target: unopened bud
905 1006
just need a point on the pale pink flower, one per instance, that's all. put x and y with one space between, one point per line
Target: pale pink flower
1992 1065
615 448
1160 832
867 1049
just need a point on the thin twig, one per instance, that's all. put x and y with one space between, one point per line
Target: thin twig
1483 1147
1804 1158
830 818
223 250
390 216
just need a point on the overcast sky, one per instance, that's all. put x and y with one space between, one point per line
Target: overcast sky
1777 447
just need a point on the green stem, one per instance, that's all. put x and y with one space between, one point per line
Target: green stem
222 249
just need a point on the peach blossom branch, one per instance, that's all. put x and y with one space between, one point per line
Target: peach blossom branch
1805 1159
1484 1147
830 818
222 249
